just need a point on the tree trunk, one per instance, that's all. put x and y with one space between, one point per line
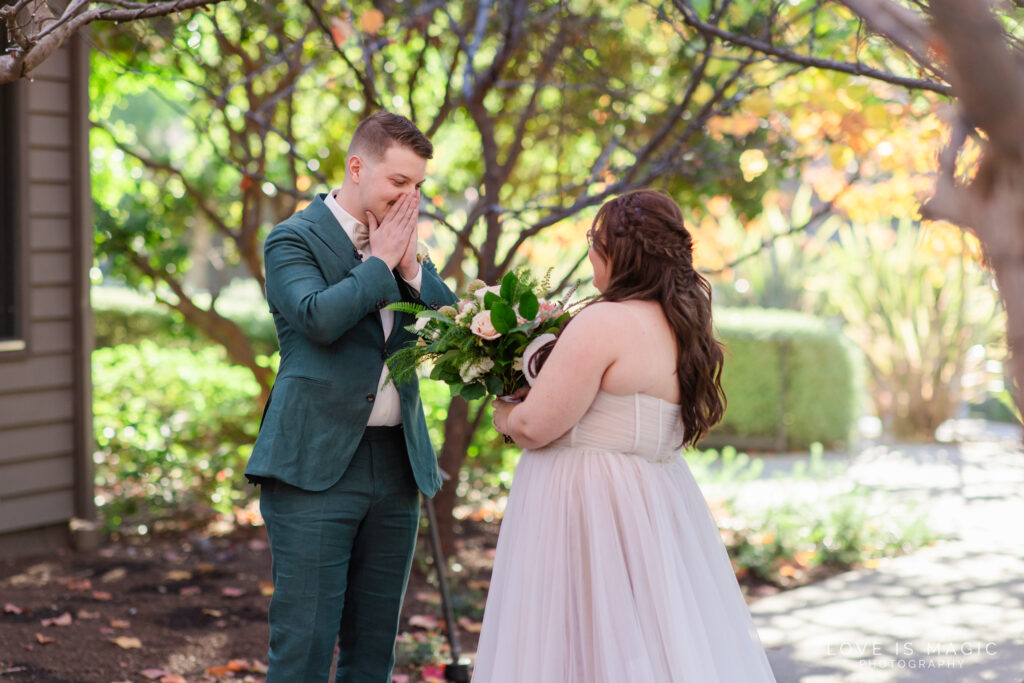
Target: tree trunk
458 432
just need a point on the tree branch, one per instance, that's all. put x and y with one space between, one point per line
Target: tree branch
690 17
33 49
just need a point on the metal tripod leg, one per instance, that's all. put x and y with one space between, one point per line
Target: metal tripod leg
455 671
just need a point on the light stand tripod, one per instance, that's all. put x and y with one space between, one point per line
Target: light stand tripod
455 671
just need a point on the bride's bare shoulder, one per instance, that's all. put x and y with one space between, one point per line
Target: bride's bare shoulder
601 321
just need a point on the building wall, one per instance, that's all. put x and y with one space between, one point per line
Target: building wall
45 388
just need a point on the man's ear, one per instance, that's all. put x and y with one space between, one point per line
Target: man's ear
354 167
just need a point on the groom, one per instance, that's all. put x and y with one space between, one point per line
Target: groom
342 454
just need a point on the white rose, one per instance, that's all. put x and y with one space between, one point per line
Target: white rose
470 370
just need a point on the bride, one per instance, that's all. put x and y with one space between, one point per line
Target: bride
609 567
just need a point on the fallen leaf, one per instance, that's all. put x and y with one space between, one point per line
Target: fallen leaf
230 592
469 626
178 575
424 621
43 640
266 588
86 614
258 667
12 609
83 585
399 678
205 568
153 674
114 575
215 613
190 590
107 631
239 665
127 642
62 620
119 623
103 596
172 678
218 671
429 597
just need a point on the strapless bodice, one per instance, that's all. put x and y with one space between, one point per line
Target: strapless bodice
636 424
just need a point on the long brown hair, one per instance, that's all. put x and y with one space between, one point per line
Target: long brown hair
650 256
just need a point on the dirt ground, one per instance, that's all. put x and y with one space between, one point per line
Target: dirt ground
192 607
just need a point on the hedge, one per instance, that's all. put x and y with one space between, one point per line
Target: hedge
790 380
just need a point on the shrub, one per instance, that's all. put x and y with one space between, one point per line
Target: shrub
790 380
173 429
916 300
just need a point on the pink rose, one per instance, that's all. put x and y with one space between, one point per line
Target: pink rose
547 309
482 326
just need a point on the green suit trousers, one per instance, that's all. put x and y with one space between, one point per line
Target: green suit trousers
341 560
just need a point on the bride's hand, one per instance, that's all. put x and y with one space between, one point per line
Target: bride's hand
500 417
520 394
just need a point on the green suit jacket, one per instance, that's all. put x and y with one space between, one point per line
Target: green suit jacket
325 302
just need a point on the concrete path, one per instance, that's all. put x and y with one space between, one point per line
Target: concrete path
950 612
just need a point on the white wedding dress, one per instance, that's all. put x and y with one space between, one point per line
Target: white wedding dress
609 566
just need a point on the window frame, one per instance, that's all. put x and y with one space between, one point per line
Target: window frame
13 185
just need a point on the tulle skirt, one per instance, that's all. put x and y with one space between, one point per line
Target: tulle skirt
609 568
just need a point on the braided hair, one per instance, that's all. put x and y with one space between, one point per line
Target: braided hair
650 255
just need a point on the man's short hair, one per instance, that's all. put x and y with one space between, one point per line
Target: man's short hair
377 132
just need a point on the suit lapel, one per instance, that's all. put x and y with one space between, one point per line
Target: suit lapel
327 229
330 232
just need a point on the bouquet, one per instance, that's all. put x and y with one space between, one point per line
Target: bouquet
478 347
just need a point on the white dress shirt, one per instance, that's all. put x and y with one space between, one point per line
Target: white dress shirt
387 407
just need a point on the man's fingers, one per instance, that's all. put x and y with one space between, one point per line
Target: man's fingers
371 221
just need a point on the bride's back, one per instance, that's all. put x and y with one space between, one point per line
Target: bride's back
644 349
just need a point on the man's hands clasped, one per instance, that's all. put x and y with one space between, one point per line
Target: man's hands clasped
395 238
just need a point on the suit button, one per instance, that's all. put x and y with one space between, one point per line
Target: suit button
369 398
355 252
385 354
382 303
433 305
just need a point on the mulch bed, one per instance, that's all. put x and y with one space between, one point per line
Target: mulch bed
184 607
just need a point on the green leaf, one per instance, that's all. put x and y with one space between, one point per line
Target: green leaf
508 287
472 391
490 298
494 385
503 317
528 305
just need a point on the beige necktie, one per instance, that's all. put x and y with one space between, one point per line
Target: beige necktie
361 236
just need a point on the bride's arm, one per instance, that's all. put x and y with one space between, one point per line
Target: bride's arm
568 382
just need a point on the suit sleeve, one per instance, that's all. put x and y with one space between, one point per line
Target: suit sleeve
433 291
297 289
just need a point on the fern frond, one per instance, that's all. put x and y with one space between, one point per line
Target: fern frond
407 307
